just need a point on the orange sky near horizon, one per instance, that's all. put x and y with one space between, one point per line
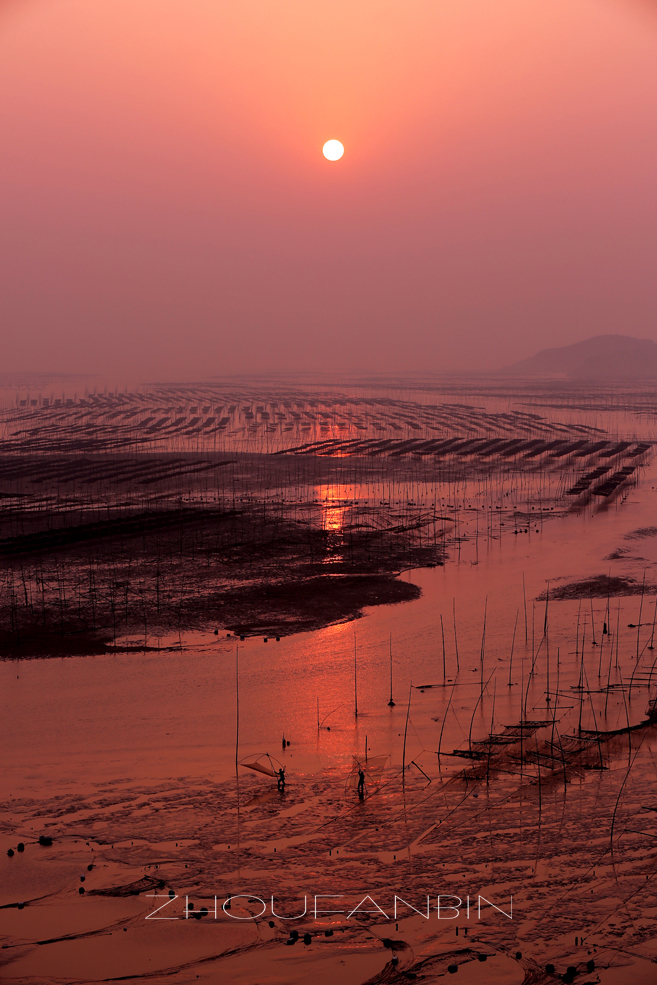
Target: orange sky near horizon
167 212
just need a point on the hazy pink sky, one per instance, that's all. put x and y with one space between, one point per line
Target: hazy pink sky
165 210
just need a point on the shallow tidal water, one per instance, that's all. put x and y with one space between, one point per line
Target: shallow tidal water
128 761
154 715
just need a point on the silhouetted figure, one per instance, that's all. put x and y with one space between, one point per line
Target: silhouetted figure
604 629
281 779
361 784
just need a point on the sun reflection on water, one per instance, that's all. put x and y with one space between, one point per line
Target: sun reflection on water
336 502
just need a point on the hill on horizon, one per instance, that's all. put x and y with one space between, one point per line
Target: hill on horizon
607 357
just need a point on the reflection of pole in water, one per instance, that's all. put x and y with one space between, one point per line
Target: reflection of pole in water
442 727
391 703
513 641
602 646
442 631
556 700
408 712
638 629
611 657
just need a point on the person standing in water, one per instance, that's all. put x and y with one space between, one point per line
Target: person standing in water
361 784
281 779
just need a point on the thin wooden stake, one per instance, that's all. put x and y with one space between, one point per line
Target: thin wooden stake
355 680
456 642
237 704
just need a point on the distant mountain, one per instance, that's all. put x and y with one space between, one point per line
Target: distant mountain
610 357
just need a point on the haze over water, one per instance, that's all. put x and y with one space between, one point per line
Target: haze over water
167 209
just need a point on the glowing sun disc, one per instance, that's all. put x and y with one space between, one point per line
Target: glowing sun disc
332 150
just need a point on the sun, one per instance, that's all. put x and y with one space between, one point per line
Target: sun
333 150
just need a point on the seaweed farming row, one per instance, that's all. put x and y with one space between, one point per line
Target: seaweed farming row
225 417
151 511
